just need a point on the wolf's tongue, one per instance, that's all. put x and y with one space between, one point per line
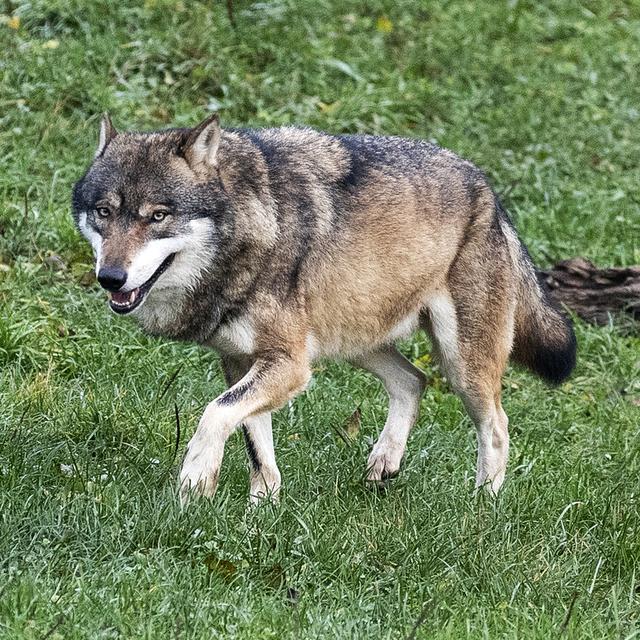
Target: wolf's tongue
123 297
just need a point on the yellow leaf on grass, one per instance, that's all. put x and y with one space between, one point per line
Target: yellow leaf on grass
384 25
328 107
423 361
224 568
51 44
13 22
349 432
352 426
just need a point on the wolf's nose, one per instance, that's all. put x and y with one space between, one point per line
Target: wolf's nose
112 278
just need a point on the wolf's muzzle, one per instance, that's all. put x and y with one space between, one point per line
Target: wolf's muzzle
126 301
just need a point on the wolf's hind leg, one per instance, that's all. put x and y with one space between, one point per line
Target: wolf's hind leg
493 443
264 475
405 385
473 345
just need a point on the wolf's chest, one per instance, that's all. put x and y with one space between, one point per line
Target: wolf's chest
236 337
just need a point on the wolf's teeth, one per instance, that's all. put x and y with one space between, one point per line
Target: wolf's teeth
122 300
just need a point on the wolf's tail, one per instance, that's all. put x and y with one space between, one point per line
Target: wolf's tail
544 340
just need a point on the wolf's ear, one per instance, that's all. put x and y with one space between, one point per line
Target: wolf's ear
201 146
107 134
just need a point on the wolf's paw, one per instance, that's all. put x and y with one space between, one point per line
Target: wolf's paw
383 464
490 484
199 473
264 486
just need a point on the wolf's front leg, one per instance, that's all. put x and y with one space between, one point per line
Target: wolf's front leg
273 379
264 475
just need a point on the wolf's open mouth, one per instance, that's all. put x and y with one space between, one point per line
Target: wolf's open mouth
127 301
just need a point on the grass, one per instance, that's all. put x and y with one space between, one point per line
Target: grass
543 96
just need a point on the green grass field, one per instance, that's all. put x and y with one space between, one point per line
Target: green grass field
545 97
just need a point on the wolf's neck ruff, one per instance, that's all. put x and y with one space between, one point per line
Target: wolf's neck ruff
280 246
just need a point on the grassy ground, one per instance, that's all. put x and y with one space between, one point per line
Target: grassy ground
545 97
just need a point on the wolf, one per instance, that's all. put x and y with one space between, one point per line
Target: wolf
280 246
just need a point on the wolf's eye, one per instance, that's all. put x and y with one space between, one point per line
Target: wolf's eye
103 212
159 215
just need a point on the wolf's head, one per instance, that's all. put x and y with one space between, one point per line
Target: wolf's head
150 204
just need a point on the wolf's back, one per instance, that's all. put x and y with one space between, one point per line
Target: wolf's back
544 340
